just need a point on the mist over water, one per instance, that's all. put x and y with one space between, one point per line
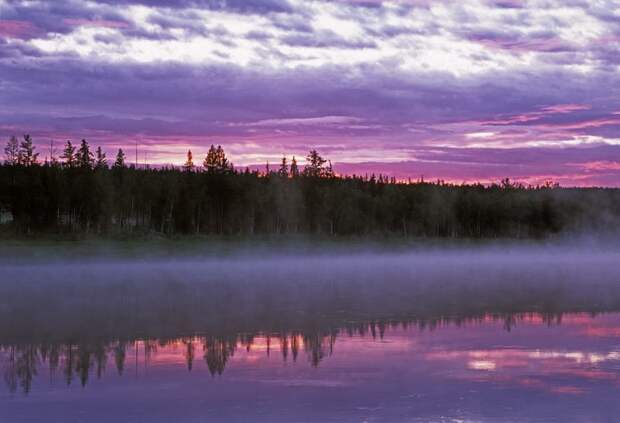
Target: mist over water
270 291
318 323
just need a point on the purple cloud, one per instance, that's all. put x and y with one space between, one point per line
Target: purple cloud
404 86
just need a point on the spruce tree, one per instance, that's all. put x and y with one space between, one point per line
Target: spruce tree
188 166
283 171
11 151
68 155
329 171
85 158
100 162
216 161
210 162
294 168
119 163
316 165
222 162
26 155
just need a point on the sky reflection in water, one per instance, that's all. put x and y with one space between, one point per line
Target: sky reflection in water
497 335
563 370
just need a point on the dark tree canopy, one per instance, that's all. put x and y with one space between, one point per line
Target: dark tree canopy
294 172
11 151
26 155
81 194
316 166
100 160
119 163
188 166
68 155
216 161
85 158
283 171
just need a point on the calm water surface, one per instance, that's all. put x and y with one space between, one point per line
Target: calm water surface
428 346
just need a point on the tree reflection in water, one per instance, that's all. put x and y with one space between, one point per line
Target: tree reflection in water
81 360
79 318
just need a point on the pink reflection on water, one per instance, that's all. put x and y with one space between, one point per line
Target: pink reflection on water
534 354
557 366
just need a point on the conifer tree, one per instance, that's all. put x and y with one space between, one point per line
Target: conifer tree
210 162
216 161
11 151
119 163
100 161
188 166
26 155
222 161
85 158
283 171
316 165
52 160
329 171
68 155
294 168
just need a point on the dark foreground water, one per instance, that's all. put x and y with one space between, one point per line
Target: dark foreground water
491 337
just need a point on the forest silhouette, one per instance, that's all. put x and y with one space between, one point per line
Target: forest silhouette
79 192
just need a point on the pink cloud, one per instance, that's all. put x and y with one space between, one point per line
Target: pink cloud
608 332
567 389
592 123
17 29
457 173
565 108
607 39
601 165
537 115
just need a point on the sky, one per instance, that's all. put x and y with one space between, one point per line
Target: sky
462 91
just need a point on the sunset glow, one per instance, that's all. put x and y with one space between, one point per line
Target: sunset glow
460 91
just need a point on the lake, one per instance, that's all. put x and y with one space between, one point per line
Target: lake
480 335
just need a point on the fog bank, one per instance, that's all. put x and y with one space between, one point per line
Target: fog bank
251 293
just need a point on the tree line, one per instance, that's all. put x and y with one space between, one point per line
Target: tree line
81 192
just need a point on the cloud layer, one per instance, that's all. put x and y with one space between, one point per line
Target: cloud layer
471 91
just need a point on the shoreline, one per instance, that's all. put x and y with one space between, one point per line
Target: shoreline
50 248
